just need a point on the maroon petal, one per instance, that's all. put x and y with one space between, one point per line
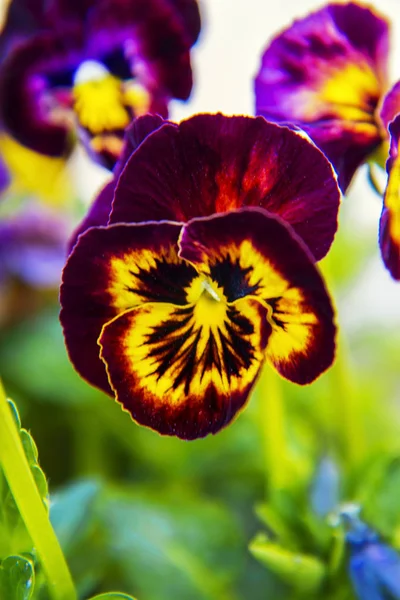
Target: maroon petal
253 254
155 38
109 271
188 11
100 209
325 74
212 163
389 227
23 87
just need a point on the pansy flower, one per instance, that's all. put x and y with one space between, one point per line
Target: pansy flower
201 269
33 248
92 67
327 74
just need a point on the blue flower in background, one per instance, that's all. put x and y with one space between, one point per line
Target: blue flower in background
325 487
374 567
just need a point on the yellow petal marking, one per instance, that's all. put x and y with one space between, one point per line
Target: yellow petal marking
99 104
42 176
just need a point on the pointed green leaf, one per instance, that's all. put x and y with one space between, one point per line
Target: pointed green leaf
15 413
30 447
17 578
304 573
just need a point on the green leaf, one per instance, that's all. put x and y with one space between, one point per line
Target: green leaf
379 494
112 596
192 544
302 572
71 512
17 578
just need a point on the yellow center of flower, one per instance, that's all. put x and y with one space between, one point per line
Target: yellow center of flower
209 302
351 90
99 105
103 102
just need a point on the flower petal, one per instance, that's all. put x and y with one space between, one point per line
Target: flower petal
212 163
389 227
100 209
155 37
325 74
251 253
23 86
182 375
112 270
391 105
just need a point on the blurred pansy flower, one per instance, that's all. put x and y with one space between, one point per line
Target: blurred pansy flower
33 248
374 567
201 269
92 67
327 74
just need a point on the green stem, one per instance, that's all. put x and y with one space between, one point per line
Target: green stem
23 488
348 411
272 423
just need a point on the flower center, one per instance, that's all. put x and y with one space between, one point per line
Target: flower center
209 301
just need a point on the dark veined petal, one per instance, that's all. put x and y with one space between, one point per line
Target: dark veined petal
389 228
180 360
100 209
326 74
391 104
251 253
110 271
213 163
185 371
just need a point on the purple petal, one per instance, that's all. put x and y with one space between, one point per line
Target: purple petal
100 209
23 86
33 248
391 104
389 227
155 41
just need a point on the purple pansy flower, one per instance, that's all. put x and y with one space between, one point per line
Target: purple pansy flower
197 264
33 248
91 67
327 74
